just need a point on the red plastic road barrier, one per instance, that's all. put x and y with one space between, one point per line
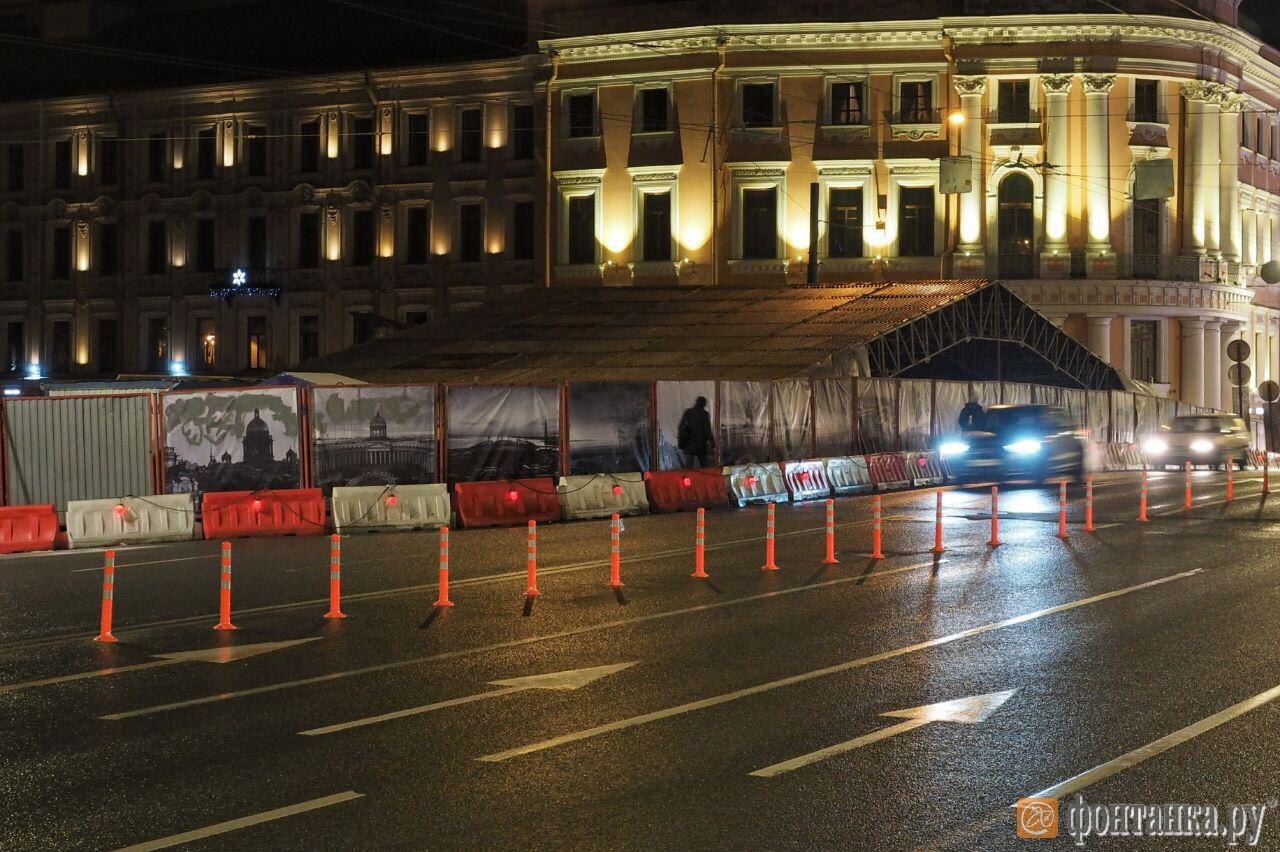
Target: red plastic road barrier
531 551
615 552
1231 484
1186 503
769 564
877 534
25 528
335 577
937 525
224 596
1062 509
995 517
700 547
1142 500
238 514
888 470
108 598
443 600
506 502
1088 504
686 490
831 534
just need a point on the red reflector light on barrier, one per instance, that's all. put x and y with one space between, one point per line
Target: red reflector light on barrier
751 482
391 500
257 505
513 495
921 461
120 510
617 489
803 476
686 482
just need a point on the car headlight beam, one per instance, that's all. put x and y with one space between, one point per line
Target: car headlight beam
1156 446
1201 445
952 448
1024 447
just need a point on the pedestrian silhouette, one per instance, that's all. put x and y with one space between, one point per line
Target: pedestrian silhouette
693 436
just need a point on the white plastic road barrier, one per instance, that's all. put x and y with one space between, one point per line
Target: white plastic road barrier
849 474
807 480
756 483
602 495
398 507
924 468
131 520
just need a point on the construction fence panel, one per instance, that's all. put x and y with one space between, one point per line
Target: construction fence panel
1123 413
609 430
949 399
674 398
833 416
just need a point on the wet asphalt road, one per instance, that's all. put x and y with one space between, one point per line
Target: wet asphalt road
1125 636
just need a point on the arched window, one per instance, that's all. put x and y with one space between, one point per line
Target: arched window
1016 225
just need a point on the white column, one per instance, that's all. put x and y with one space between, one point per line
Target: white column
1213 371
1229 175
1056 88
1192 360
1100 337
973 145
1193 215
1097 88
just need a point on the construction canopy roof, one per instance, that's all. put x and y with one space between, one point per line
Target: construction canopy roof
659 333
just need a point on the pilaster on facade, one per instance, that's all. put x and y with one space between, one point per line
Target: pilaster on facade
1100 257
1228 177
1100 335
1055 259
970 258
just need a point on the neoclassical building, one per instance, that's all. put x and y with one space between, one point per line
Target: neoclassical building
1121 170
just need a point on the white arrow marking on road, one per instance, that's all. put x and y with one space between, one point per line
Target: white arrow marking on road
224 654
566 680
966 711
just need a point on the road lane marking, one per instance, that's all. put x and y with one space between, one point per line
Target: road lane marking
98 568
1151 749
965 711
566 680
513 643
242 822
849 665
50 681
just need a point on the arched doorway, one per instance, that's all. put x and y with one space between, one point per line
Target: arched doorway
1146 237
1016 240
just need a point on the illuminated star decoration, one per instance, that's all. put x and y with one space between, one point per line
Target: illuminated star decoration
239 278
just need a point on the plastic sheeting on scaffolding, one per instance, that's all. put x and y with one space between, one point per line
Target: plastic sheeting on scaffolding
849 474
131 520
394 507
807 480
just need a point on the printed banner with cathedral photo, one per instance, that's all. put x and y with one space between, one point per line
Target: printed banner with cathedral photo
366 435
242 440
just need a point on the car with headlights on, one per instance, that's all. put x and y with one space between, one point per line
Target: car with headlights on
1212 439
1012 442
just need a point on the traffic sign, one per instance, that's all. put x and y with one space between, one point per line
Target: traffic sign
1269 391
1238 350
1238 374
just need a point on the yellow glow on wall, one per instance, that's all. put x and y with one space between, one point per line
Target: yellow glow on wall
177 152
82 154
694 236
228 144
82 255
443 139
178 248
335 133
387 244
798 237
385 132
82 353
1055 225
495 245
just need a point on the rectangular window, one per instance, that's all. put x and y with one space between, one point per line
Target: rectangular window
523 232
309 146
1146 101
418 146
17 167
108 248
844 223
62 164
362 224
60 347
109 161
206 153
1258 135
255 149
757 105
309 240
470 232
417 234
157 247
915 102
364 326
15 346
15 260
206 244
1275 131
362 142
582 229
256 237
470 135
760 223
417 317
256 337
308 337
653 110
656 221
522 132
1142 350
1014 97
915 222
61 252
106 354
207 341
582 115
157 156
158 345
846 103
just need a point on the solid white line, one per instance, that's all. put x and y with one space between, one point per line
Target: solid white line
514 643
242 822
839 748
1150 750
410 711
724 698
97 569
49 681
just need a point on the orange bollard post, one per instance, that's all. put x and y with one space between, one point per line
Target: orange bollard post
769 528
108 598
335 577
224 597
1088 504
1231 483
877 529
1062 509
1186 503
443 599
831 534
937 525
1142 500
995 517
531 549
700 547
615 552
